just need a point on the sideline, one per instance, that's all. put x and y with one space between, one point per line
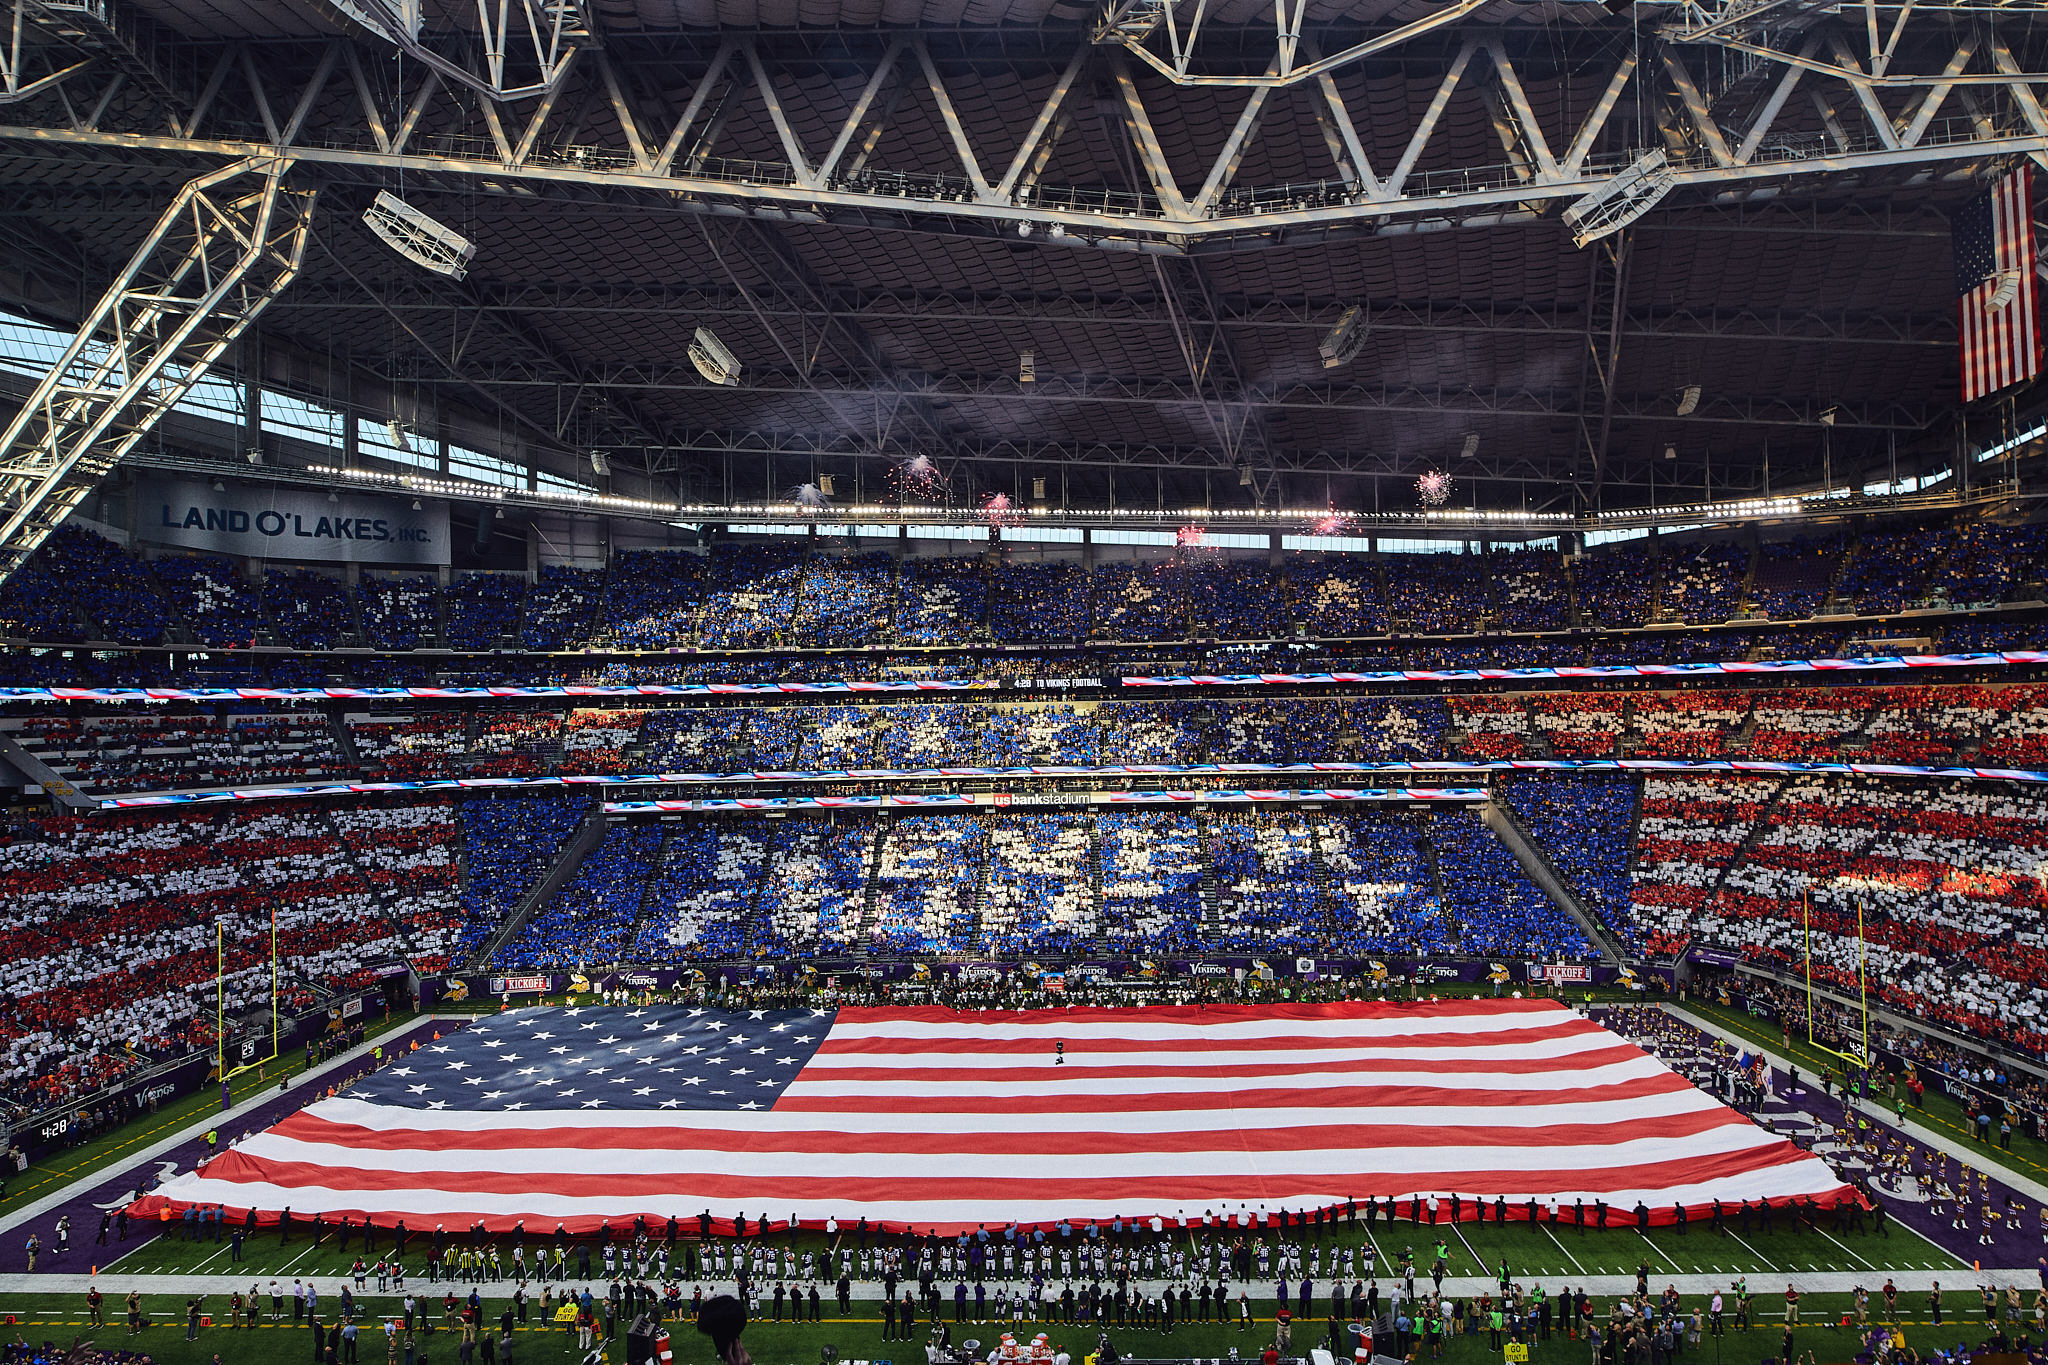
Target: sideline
91 1180
1920 1133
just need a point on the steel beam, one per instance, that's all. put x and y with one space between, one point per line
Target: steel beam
214 261
554 146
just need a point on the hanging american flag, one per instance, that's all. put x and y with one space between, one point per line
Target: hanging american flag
1997 313
935 1119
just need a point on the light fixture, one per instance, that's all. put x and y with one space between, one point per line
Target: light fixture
416 505
1341 344
1828 415
498 514
1689 400
1471 446
1023 229
1622 200
1670 452
713 360
1027 369
219 487
333 496
254 456
417 237
598 463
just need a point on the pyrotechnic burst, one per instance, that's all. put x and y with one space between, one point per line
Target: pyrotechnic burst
1434 488
809 495
1191 537
1331 523
918 477
998 510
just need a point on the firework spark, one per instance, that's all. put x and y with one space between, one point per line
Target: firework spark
1434 488
809 495
998 510
918 476
1332 523
1191 537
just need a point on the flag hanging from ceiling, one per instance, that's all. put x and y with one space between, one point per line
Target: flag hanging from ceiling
1997 311
929 1118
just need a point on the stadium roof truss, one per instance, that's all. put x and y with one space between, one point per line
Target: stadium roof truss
1172 141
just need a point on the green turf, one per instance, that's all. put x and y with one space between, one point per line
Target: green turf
45 1316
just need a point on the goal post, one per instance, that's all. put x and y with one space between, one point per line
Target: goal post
1860 1059
220 996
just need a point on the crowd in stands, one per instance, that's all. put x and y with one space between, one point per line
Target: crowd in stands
594 917
484 610
1151 878
1531 591
307 610
1890 569
1384 896
780 594
1586 825
1703 583
1268 896
1494 908
109 938
700 898
125 749
1793 576
398 612
510 844
1040 897
1931 895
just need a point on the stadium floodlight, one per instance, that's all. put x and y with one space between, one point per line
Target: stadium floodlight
1027 368
417 237
1471 446
713 360
598 464
1341 345
1689 400
1622 200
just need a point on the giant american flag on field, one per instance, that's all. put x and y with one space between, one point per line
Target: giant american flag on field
931 1118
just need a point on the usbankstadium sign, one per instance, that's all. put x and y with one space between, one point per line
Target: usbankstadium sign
292 523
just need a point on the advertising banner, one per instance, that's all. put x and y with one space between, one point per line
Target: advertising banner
293 523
